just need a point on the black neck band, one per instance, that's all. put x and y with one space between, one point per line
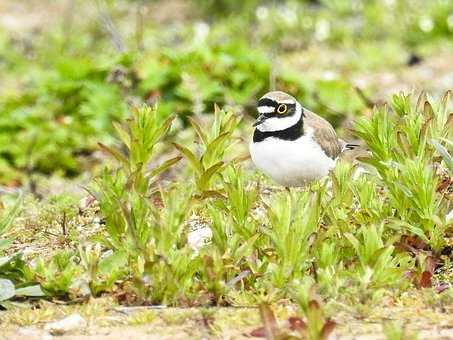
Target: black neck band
292 133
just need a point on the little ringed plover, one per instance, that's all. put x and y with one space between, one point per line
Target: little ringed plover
291 144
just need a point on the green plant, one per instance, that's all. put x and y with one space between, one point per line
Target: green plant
101 270
214 145
403 155
57 274
123 193
294 220
7 219
151 237
396 331
230 258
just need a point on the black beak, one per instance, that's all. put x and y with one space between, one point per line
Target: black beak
259 120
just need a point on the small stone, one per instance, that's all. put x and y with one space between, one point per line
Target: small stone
70 323
199 237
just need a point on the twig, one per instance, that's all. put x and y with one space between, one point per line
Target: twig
273 70
29 169
109 26
132 309
139 26
242 275
68 14
63 223
10 191
367 101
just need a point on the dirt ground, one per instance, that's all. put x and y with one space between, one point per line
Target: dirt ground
415 314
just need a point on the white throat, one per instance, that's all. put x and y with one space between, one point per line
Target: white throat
277 124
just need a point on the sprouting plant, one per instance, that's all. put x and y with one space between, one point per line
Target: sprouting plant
396 331
57 274
228 259
101 270
124 193
294 220
214 144
149 232
403 155
7 218
313 325
378 267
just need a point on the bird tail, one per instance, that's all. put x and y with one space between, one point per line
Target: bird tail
348 146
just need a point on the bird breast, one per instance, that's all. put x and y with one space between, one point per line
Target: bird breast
291 163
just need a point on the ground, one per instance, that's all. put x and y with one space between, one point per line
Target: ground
415 313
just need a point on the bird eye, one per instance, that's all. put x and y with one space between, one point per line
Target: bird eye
282 108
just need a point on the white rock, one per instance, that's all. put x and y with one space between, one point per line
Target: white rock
198 238
70 323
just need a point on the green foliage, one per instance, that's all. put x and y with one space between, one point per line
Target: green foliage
57 274
123 193
7 219
151 238
303 236
46 127
403 153
341 237
214 146
293 223
100 270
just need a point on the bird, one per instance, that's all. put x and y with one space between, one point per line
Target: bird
291 144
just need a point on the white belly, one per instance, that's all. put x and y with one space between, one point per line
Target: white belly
291 163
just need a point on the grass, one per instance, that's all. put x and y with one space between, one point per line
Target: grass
369 244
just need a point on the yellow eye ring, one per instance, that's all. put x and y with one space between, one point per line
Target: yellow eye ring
282 108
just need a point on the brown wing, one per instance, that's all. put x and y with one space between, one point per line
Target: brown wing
323 133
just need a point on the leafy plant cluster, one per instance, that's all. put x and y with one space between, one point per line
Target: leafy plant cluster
353 237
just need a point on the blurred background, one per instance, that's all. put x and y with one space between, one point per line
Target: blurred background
68 68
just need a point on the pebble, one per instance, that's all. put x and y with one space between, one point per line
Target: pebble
69 323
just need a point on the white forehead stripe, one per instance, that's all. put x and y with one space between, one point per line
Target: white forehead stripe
265 109
287 101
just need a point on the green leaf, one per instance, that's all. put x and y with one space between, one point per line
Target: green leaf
124 136
7 290
203 181
163 129
190 156
30 291
164 166
199 131
112 262
115 153
4 243
448 159
5 259
213 149
355 243
7 220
